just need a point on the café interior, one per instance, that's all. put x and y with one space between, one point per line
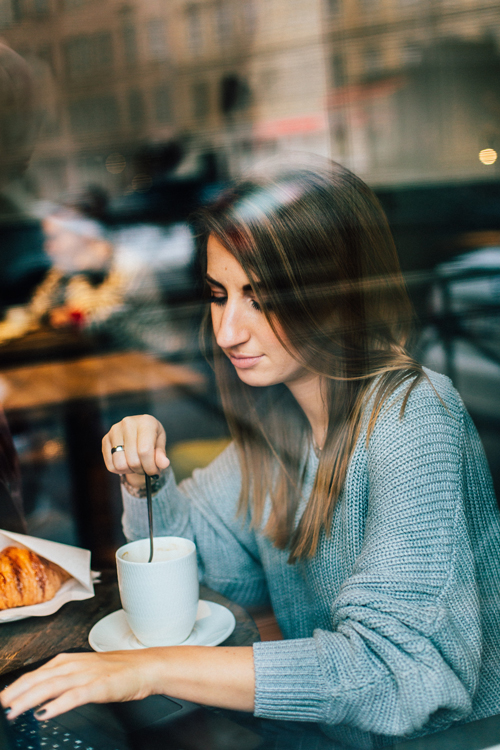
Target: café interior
119 119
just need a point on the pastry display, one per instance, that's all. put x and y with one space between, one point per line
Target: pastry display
26 578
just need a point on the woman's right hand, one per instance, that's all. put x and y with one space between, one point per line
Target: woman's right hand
143 439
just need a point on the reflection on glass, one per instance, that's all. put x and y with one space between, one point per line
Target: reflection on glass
116 123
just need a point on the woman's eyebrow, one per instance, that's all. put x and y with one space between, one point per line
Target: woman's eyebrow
213 281
246 288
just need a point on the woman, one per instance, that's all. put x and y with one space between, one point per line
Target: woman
355 495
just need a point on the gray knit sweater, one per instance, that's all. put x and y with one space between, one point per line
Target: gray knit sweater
392 630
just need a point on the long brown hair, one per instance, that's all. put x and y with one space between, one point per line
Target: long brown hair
329 283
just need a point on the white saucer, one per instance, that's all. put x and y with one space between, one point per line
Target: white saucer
214 623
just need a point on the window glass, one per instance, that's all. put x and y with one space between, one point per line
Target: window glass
194 29
157 42
119 121
163 104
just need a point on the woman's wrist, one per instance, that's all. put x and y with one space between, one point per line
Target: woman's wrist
222 677
137 481
137 487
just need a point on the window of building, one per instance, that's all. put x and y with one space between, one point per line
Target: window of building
268 84
129 37
234 94
41 7
369 5
94 114
372 60
411 53
338 70
223 18
6 14
136 108
88 54
19 10
201 99
249 17
157 40
332 7
194 30
163 105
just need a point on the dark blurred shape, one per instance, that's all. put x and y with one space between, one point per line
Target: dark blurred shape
425 219
11 504
22 258
91 202
158 194
159 159
234 93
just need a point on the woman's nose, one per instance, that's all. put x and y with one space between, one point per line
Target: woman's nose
231 329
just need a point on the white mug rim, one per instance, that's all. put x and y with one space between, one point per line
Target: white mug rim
159 539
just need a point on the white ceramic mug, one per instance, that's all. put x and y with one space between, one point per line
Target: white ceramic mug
160 598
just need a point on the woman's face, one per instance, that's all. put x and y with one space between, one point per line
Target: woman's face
241 328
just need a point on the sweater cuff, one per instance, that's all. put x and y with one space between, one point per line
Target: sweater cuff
289 682
156 485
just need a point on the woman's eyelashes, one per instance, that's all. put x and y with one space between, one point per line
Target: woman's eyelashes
217 300
222 299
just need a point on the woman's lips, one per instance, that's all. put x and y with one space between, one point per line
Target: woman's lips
243 362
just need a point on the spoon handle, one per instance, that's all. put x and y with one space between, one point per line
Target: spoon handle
150 515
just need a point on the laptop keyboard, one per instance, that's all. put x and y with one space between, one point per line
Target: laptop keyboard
30 734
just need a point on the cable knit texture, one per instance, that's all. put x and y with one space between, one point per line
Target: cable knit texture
392 629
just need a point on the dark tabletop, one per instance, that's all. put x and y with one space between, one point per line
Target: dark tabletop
27 641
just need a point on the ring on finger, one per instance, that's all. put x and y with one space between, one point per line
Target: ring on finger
117 449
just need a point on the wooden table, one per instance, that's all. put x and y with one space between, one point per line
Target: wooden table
27 641
76 392
98 376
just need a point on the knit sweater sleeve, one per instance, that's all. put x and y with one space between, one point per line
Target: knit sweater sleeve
403 649
204 509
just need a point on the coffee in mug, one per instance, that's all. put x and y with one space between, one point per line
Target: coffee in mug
160 598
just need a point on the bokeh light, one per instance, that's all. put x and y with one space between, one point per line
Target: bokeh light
115 163
488 156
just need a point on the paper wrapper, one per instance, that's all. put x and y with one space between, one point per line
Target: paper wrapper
74 560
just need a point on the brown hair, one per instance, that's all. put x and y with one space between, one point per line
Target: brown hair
318 243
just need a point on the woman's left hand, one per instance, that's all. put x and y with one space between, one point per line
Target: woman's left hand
71 680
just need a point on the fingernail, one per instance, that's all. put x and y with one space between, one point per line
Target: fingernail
41 712
7 711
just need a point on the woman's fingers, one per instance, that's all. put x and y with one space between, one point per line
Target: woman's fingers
143 440
72 680
149 432
161 459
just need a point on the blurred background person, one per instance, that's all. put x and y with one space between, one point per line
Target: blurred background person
21 255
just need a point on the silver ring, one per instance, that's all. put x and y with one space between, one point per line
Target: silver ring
117 449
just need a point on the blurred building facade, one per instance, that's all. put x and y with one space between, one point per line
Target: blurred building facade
400 90
414 87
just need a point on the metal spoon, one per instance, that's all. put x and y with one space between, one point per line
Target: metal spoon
149 497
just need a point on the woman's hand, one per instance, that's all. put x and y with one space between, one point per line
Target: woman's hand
72 680
222 676
144 440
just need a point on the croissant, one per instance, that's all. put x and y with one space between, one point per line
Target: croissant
26 578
